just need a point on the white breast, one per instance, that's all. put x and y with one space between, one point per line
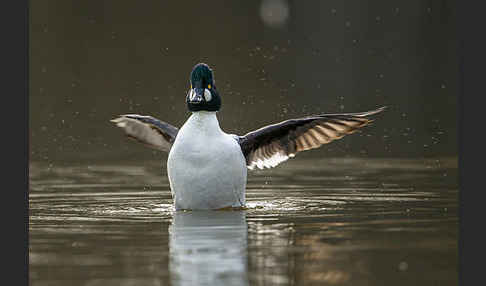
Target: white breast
206 167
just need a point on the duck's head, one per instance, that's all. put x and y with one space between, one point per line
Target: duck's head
202 95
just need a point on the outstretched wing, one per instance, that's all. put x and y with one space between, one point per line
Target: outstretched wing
147 130
273 144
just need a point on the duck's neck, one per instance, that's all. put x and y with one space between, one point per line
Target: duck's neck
205 121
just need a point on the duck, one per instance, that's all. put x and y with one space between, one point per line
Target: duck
208 168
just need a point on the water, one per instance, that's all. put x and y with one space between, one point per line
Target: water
351 221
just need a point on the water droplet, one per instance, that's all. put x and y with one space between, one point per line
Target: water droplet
333 11
274 13
403 266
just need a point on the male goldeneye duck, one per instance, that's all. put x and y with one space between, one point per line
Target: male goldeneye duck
207 168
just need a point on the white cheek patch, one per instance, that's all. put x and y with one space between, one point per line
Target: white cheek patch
207 94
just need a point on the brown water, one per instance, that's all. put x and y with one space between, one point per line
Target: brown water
352 221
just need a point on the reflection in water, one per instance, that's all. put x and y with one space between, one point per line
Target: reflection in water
208 248
344 221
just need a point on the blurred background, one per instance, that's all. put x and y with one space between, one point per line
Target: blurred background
273 60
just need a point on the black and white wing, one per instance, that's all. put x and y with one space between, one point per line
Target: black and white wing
147 130
273 144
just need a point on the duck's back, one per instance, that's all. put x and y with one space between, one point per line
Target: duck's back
206 167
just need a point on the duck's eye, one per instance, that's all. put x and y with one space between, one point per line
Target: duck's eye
207 94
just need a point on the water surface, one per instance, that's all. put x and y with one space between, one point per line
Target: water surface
341 221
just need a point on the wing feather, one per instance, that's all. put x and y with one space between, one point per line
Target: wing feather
148 130
271 145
